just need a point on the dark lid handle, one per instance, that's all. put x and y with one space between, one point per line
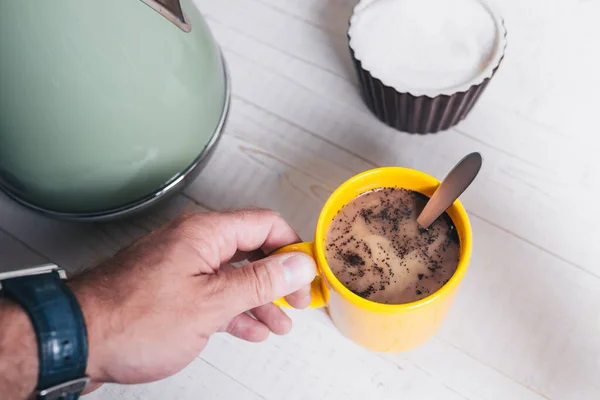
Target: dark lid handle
171 10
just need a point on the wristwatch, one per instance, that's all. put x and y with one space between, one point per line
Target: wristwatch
59 327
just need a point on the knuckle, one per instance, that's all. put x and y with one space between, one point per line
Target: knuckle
263 283
216 294
215 286
175 250
185 224
192 245
182 219
188 219
267 213
258 211
233 327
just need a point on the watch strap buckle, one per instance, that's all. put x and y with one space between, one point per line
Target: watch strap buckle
63 390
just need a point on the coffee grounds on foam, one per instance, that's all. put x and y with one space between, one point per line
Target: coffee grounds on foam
376 248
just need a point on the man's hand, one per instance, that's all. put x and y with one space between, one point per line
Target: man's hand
151 308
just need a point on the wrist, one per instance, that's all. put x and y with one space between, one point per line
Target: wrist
19 358
90 308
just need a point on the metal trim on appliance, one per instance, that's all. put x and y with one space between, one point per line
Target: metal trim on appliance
182 23
171 187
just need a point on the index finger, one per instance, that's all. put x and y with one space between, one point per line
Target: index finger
219 235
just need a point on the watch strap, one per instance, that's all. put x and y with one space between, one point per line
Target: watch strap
59 326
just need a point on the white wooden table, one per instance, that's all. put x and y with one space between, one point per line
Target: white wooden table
526 323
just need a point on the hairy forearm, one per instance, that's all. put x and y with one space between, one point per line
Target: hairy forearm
18 352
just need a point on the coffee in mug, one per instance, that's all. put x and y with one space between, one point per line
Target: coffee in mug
377 249
386 215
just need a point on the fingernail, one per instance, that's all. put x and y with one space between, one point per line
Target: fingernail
299 270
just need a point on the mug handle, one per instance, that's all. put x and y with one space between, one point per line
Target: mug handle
317 298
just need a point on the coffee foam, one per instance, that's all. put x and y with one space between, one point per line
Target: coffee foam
376 248
427 47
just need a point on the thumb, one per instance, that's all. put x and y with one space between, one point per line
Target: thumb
266 280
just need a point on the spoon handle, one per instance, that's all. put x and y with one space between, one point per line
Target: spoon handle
451 187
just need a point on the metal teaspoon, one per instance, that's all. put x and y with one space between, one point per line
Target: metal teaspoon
453 185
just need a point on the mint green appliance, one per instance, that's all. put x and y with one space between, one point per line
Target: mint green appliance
106 106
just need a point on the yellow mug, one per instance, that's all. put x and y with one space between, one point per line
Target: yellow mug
382 327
